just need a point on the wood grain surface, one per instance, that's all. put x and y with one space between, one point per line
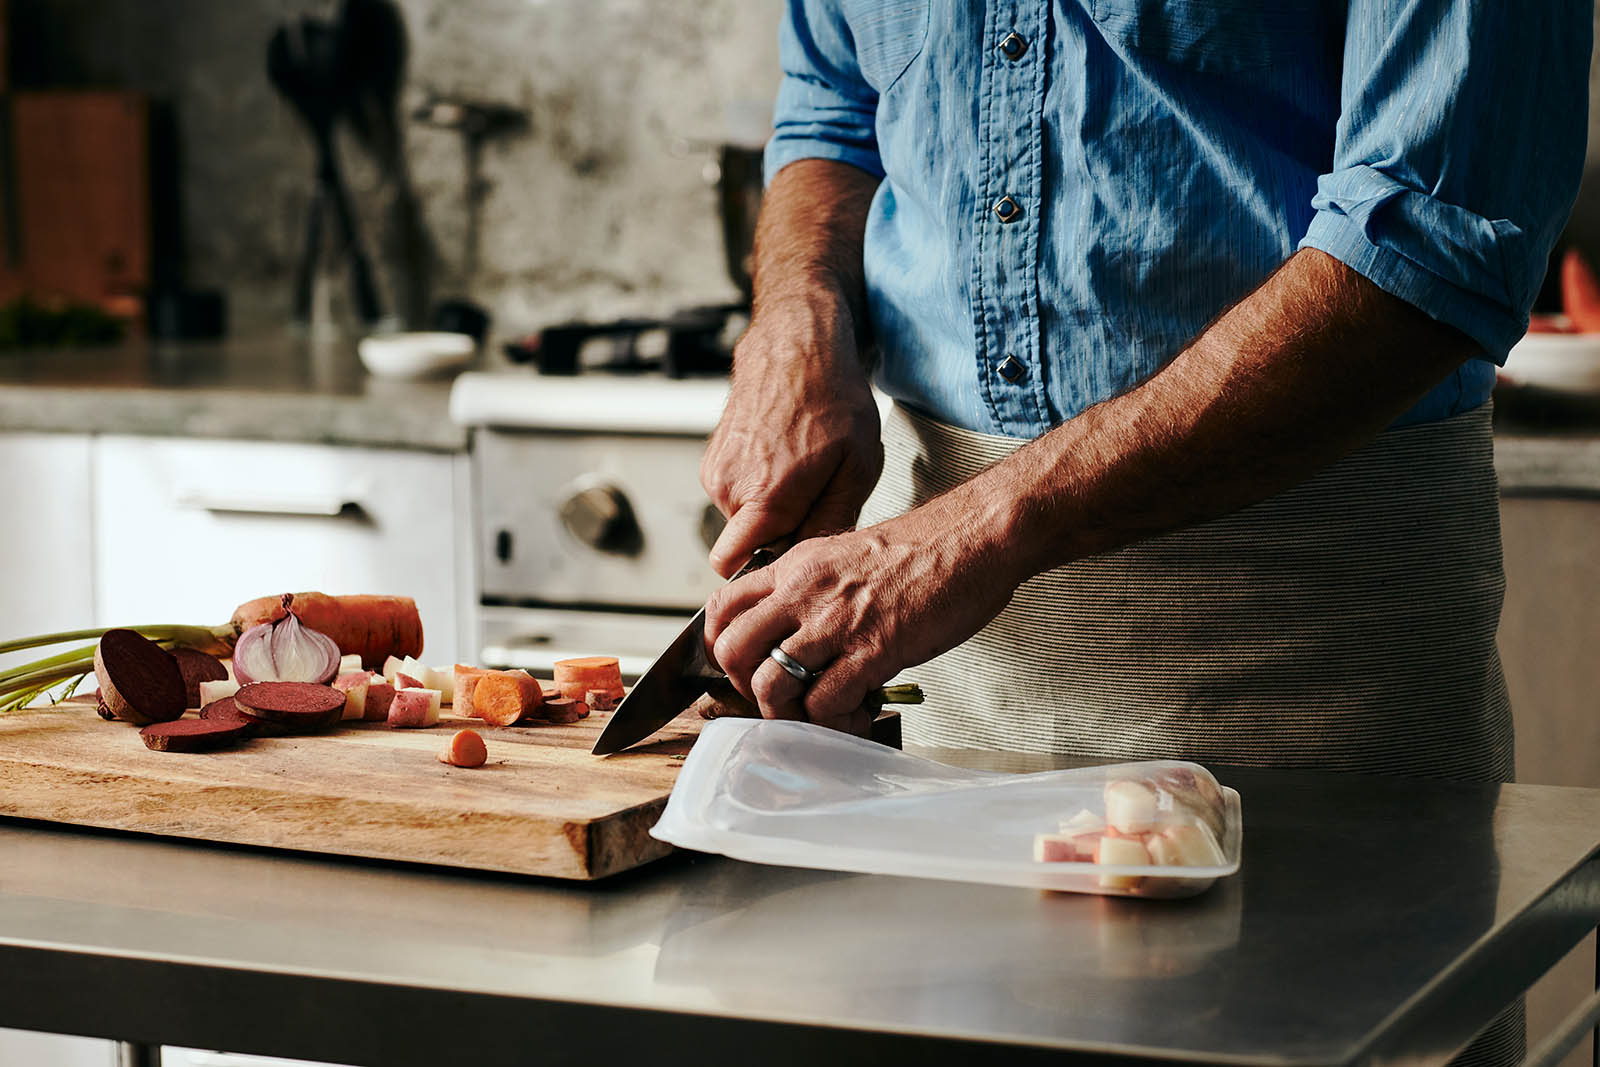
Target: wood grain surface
542 805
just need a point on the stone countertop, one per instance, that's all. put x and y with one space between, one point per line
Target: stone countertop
276 389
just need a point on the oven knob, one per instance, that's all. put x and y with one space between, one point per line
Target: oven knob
711 524
601 517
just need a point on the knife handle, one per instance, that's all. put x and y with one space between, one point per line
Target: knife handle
760 558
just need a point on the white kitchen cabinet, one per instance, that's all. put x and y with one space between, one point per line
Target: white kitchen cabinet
189 528
24 1047
44 480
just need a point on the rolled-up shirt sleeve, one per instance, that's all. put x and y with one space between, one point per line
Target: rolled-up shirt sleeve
825 108
1459 150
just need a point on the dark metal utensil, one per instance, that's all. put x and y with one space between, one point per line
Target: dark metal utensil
678 677
303 61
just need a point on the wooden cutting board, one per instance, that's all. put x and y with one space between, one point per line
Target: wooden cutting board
542 805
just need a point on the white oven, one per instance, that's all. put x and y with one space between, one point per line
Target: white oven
592 529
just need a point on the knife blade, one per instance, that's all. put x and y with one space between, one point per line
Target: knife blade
677 678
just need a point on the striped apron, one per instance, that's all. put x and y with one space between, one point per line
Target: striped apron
1347 624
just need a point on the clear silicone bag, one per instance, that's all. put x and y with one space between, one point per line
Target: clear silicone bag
800 795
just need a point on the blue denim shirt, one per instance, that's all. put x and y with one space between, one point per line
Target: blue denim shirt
1074 188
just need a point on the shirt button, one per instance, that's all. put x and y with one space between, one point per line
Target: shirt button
1007 210
1013 47
1012 369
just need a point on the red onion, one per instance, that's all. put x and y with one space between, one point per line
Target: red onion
285 651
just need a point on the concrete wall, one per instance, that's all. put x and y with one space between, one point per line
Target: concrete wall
597 210
590 213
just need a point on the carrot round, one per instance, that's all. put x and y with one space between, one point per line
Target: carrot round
503 697
466 681
578 675
372 627
465 749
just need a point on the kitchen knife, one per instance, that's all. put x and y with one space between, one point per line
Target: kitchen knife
677 678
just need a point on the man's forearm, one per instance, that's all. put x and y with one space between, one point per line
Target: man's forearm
1309 366
809 238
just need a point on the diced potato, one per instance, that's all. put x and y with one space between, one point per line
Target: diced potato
210 691
1185 845
444 680
354 686
1130 806
1121 852
414 708
1054 848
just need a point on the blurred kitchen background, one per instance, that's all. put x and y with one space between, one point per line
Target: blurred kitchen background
563 189
592 199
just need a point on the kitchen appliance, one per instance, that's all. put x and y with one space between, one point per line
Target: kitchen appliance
592 529
591 526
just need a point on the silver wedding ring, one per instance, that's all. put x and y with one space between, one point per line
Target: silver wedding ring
788 663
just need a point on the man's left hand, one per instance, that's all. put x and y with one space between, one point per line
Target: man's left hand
857 608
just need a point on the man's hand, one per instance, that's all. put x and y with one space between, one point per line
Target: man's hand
1310 365
857 608
797 450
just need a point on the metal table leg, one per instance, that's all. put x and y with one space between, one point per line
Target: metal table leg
138 1054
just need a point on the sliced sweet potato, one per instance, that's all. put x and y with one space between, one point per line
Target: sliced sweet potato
576 676
466 680
504 697
465 749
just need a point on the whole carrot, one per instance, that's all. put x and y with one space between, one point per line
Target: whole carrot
373 627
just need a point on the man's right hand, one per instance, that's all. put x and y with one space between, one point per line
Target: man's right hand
797 450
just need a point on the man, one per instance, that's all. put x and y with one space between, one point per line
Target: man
1190 312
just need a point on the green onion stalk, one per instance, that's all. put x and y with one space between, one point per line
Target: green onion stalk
27 683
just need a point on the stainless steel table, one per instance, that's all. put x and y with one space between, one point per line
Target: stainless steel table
1375 921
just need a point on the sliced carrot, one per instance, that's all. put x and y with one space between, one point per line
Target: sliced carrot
372 627
465 749
466 680
503 697
577 676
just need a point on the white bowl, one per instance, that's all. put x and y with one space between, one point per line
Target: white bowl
415 355
1559 362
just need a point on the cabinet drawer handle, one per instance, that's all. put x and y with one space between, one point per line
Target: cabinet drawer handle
311 507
